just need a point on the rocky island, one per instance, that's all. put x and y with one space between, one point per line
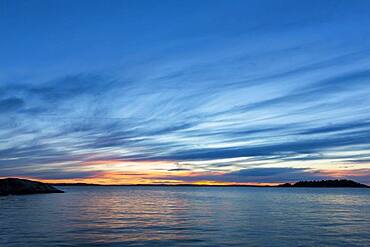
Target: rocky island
16 186
338 183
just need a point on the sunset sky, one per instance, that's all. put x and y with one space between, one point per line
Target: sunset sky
195 91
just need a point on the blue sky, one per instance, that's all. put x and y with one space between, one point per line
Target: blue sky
185 91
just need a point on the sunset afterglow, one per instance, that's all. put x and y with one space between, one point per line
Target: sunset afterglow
205 93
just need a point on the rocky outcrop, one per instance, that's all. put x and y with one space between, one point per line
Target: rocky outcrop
16 186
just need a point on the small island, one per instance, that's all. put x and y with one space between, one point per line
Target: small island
17 186
338 183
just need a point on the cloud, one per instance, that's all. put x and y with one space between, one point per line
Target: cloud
253 175
179 170
273 175
263 172
336 127
350 140
11 104
52 174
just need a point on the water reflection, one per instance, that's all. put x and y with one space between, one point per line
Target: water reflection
116 216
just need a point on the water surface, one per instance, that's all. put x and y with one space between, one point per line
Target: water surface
187 216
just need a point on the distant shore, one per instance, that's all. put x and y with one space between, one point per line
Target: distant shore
341 183
16 186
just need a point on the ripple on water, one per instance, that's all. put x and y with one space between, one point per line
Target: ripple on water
190 216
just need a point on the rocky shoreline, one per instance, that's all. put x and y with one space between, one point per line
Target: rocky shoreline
16 186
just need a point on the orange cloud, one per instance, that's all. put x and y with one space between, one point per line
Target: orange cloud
346 173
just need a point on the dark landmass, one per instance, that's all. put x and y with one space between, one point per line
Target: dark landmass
16 186
339 183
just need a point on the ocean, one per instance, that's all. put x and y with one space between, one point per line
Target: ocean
187 216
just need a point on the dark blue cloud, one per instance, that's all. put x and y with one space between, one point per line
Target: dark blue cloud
349 140
11 104
50 174
269 175
262 172
265 175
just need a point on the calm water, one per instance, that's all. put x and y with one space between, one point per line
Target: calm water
165 216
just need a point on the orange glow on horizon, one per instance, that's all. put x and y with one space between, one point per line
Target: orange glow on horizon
175 177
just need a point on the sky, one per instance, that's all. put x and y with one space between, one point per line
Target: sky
196 91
